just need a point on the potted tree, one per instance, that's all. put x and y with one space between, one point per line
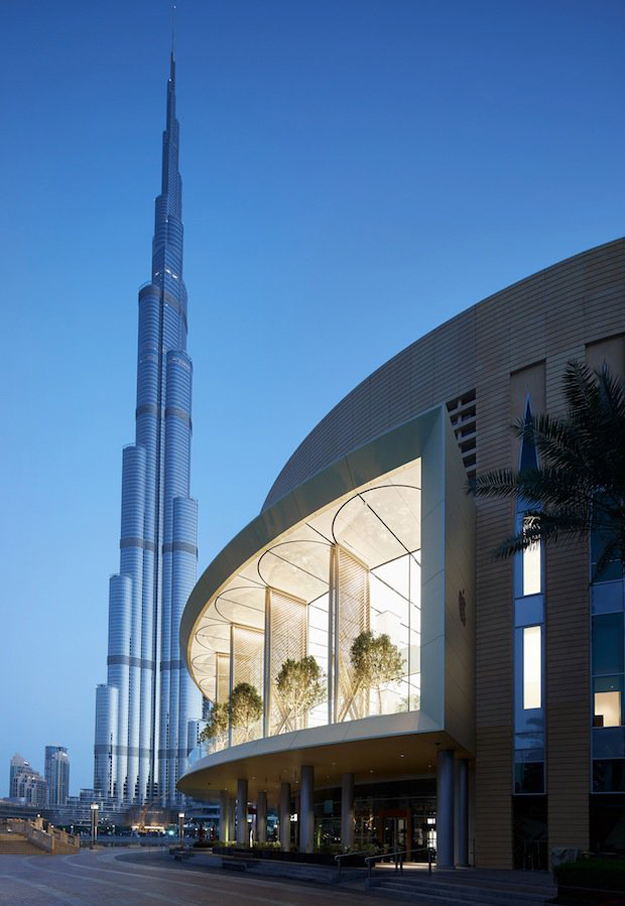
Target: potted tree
377 662
216 725
299 687
246 708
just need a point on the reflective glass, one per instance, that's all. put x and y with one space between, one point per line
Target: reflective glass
607 643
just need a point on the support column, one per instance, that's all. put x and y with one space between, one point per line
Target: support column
462 812
306 810
261 817
232 810
285 816
445 809
242 834
223 816
347 811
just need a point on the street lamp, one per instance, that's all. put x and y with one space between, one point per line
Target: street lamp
94 823
180 825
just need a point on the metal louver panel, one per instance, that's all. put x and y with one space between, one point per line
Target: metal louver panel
222 685
247 667
286 639
351 618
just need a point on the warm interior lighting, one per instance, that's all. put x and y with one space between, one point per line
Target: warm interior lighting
608 708
531 667
531 566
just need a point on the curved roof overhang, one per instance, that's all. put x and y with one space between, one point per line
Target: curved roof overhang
373 749
230 585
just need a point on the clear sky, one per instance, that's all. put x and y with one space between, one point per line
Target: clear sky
355 172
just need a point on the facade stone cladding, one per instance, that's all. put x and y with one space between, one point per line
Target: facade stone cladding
518 340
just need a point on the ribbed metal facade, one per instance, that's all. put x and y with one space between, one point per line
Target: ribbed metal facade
148 713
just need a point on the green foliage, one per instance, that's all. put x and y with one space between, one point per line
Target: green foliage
597 873
580 482
299 686
376 662
217 724
246 707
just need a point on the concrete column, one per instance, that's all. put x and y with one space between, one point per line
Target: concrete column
445 809
242 833
306 810
261 817
223 816
347 811
232 810
285 816
462 812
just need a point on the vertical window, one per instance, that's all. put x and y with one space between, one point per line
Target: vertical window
532 667
607 709
531 566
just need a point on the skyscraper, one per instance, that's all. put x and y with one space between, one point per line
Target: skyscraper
27 784
148 712
57 774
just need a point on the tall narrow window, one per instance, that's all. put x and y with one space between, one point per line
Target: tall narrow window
531 566
532 667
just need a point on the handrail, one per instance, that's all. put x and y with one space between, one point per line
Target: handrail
340 856
399 855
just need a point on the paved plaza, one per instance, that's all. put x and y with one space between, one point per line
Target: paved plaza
127 877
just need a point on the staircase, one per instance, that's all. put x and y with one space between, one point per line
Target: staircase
18 845
480 888
19 836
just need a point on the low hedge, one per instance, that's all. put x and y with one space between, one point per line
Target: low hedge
595 873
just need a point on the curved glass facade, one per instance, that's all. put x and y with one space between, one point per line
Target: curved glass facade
147 714
351 569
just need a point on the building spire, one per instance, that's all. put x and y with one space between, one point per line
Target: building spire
173 34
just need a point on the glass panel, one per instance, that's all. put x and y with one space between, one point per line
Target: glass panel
607 597
529 777
598 543
608 742
528 611
531 667
531 567
608 776
607 643
318 647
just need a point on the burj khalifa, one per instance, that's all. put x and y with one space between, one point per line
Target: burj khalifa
148 712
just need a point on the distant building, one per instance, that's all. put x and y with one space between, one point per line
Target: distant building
26 784
18 766
57 774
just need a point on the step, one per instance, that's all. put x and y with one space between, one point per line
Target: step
470 892
466 879
15 845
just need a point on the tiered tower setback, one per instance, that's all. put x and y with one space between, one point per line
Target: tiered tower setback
148 712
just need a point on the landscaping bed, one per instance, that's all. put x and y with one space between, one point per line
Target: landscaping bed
591 880
278 855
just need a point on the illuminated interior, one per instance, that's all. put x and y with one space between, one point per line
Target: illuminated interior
352 567
532 667
608 709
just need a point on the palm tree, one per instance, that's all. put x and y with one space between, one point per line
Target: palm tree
579 483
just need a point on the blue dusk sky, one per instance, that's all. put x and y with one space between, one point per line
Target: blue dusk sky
355 172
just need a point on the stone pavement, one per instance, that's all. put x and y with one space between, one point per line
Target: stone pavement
143 879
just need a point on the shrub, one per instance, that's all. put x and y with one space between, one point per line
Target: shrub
594 872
